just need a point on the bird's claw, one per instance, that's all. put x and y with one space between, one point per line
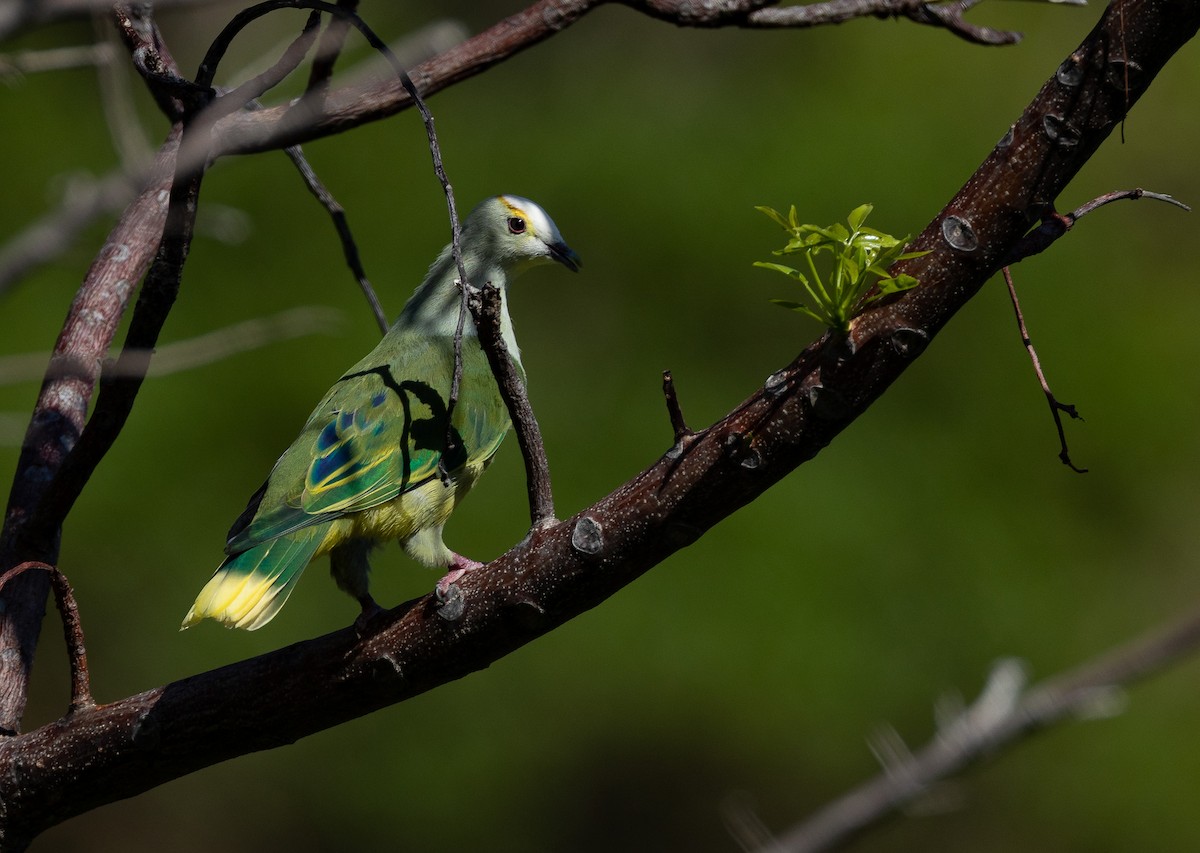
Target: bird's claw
370 612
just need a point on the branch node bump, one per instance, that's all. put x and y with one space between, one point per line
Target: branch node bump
826 403
959 234
588 536
739 449
451 604
908 342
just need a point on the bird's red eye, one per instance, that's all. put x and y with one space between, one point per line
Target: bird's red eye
516 225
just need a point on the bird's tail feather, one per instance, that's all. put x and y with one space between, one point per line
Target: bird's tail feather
249 588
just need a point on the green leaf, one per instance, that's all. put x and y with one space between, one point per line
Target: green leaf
897 284
859 215
788 271
801 309
774 214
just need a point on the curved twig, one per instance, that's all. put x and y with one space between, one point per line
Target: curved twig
64 599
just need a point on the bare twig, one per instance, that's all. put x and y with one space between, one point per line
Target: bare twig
678 424
338 214
58 419
1055 406
1004 713
1055 225
764 14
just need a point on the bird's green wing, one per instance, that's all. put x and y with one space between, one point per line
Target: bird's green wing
379 432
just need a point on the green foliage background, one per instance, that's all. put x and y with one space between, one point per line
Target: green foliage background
936 535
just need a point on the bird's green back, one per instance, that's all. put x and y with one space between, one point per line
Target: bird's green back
380 431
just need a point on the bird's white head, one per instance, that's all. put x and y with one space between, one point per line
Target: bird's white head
516 233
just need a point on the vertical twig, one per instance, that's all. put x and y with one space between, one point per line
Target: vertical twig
485 308
678 424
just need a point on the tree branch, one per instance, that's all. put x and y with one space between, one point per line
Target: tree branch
1005 713
347 108
117 750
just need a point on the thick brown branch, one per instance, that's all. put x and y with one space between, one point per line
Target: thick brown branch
346 108
58 420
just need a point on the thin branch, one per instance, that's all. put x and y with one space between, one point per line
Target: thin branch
1005 713
1056 407
186 354
764 14
1054 224
24 62
485 308
347 108
465 288
58 419
58 416
338 214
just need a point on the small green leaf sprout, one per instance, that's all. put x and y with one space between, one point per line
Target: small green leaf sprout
861 257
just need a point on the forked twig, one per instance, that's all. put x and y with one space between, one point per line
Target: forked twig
1055 224
1055 406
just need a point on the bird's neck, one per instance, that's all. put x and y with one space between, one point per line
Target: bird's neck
433 308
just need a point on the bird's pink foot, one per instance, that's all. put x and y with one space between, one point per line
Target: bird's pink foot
459 566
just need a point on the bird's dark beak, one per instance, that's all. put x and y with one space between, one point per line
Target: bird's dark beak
565 255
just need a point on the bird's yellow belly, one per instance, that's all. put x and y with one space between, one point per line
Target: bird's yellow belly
427 506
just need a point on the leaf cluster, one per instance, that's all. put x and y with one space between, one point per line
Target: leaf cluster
859 258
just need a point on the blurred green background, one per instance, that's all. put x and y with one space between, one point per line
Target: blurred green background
938 534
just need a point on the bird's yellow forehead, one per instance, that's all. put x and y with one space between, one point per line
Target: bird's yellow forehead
512 208
539 223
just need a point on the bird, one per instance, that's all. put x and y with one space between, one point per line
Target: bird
372 463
